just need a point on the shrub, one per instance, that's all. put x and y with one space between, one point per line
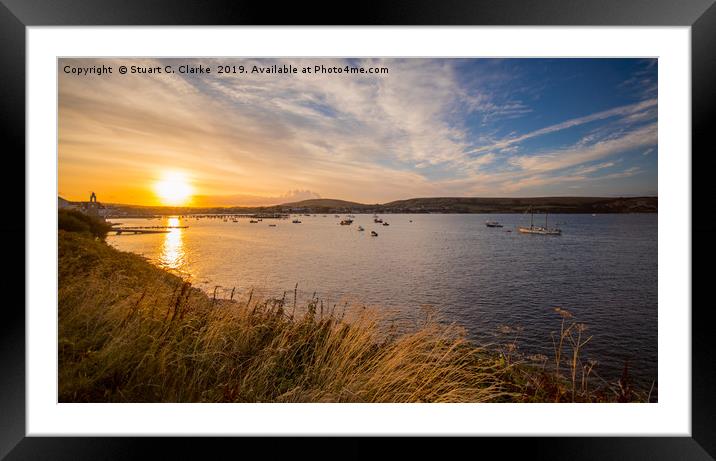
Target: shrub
76 221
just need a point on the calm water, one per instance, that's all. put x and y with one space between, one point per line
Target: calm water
603 269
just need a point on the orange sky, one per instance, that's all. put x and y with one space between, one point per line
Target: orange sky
267 139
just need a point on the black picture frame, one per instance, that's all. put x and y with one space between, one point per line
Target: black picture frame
16 15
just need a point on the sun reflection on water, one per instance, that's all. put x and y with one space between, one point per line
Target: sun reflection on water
172 255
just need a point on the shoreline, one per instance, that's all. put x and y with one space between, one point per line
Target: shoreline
120 288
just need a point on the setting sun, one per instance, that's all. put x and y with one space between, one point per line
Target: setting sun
173 189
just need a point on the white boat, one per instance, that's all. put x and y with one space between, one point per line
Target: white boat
493 224
546 230
373 233
346 222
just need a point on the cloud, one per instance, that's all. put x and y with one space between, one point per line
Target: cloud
249 138
631 110
555 160
253 200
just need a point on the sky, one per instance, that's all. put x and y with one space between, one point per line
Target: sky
427 128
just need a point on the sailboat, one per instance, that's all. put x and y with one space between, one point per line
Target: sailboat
537 229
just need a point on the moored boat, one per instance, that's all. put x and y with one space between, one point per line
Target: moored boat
546 230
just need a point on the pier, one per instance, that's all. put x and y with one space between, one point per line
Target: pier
145 229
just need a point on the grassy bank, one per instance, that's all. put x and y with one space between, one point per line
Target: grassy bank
131 332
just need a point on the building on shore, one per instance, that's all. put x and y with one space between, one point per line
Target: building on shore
91 208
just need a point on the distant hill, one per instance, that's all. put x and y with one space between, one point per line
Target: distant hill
488 205
521 204
325 203
414 205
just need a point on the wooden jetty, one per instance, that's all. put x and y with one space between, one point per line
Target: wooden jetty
145 229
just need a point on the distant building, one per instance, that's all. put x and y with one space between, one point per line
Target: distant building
91 208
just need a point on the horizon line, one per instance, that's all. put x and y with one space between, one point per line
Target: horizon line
376 204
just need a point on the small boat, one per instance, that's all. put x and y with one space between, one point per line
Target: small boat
386 224
411 220
272 225
540 230
346 222
360 228
373 234
296 221
493 224
253 221
377 220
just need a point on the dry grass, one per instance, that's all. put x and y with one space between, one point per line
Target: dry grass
131 332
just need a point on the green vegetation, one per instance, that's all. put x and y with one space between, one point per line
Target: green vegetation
131 332
76 221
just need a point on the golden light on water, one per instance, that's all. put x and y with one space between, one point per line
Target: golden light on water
173 188
172 256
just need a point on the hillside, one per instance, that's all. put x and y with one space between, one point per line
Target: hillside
520 205
325 203
416 205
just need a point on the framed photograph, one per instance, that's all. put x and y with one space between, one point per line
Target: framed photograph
458 220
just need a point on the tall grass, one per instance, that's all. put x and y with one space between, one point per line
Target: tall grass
131 332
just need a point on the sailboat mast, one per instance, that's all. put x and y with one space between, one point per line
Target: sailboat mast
545 219
532 218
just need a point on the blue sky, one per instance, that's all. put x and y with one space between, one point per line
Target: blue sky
430 127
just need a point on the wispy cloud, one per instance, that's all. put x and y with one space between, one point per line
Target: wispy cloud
421 130
637 111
